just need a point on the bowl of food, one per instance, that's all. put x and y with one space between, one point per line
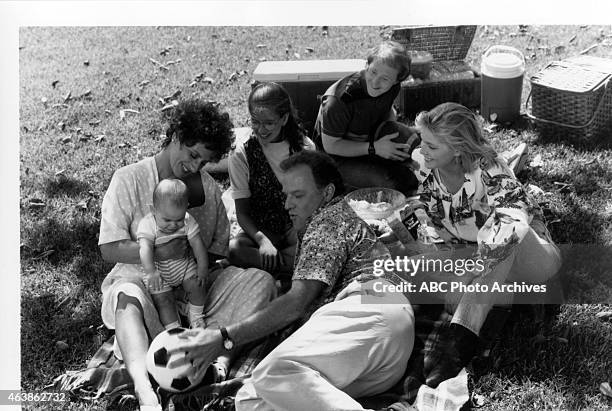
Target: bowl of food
375 203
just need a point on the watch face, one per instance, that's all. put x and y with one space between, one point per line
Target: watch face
228 344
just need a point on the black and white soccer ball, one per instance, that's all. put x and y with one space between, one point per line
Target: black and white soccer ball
169 379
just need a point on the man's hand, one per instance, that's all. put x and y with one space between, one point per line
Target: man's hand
390 150
201 347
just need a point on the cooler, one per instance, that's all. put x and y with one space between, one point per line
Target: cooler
306 80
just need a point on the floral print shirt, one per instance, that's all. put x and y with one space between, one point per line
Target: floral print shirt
335 247
492 207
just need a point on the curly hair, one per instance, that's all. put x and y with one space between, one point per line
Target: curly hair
392 54
196 121
323 167
458 127
276 98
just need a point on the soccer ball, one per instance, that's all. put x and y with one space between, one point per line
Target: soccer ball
169 379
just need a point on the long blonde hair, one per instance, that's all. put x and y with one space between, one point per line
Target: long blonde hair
458 127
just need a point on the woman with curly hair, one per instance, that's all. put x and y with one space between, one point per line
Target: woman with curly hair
198 133
267 239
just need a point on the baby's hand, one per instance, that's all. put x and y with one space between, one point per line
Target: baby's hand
202 278
153 281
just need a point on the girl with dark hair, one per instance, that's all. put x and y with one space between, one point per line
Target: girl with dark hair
267 239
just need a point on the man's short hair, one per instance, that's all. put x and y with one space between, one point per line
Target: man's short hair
323 167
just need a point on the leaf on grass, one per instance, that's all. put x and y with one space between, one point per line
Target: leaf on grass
172 62
108 112
604 315
124 145
535 190
99 138
227 40
233 76
54 83
493 116
44 100
94 122
61 125
559 49
309 50
572 39
562 340
261 46
208 80
143 83
262 59
127 110
85 137
60 105
167 107
172 96
44 254
61 345
82 205
297 55
36 202
537 161
158 64
591 47
67 96
165 51
67 139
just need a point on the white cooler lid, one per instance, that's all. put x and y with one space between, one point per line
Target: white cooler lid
306 70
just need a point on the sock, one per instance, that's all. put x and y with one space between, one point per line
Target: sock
173 324
194 313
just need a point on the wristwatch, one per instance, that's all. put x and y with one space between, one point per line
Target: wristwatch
228 343
371 149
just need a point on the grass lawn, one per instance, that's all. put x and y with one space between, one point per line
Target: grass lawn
74 83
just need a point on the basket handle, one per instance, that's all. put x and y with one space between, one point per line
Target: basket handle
557 123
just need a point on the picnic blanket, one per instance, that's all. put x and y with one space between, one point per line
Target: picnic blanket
107 377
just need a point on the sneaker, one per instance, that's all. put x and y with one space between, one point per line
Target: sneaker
455 349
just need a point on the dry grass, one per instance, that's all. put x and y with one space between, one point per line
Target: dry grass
61 268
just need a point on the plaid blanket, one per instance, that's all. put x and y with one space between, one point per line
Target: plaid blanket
107 376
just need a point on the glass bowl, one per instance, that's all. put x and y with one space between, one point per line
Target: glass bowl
375 203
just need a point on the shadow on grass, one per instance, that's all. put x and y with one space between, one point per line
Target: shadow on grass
63 185
565 353
45 321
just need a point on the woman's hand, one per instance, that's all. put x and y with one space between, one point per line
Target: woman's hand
201 347
269 255
390 150
174 249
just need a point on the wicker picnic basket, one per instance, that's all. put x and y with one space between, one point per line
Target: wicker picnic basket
572 100
449 46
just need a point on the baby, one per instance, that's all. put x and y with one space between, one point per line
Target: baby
168 220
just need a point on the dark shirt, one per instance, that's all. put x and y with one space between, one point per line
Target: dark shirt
350 113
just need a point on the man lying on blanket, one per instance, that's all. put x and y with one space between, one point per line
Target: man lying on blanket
346 348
